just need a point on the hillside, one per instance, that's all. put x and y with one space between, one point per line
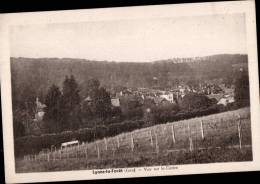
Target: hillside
39 74
222 137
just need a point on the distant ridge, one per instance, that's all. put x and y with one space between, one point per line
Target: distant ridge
214 57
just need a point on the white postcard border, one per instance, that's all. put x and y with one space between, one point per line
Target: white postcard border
7 20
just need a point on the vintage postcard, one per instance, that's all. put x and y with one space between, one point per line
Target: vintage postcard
130 92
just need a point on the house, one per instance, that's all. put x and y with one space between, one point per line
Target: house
115 102
168 97
39 114
160 101
216 96
88 99
126 92
226 100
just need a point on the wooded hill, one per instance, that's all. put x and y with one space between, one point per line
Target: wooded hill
35 76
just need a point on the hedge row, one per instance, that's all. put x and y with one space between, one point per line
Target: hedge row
34 144
160 117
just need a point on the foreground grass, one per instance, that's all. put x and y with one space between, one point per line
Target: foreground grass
135 160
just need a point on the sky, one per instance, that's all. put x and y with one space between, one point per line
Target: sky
140 40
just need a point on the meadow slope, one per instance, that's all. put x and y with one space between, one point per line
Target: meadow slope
223 137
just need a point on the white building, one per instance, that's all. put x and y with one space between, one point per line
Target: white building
39 110
168 97
115 102
226 100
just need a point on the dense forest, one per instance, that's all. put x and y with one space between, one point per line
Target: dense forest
37 75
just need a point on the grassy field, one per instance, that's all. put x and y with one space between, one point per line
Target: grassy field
213 138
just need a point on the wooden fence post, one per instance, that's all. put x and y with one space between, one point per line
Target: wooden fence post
132 142
118 143
202 129
190 138
105 140
191 144
151 138
86 151
114 151
189 132
67 153
239 132
98 152
173 135
156 143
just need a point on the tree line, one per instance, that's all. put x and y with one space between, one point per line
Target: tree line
67 110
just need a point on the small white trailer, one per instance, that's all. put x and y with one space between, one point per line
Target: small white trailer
69 144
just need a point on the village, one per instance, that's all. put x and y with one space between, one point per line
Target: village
149 97
222 94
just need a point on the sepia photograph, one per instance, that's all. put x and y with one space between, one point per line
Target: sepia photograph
117 95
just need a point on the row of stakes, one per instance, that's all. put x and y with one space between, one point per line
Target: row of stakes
47 156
